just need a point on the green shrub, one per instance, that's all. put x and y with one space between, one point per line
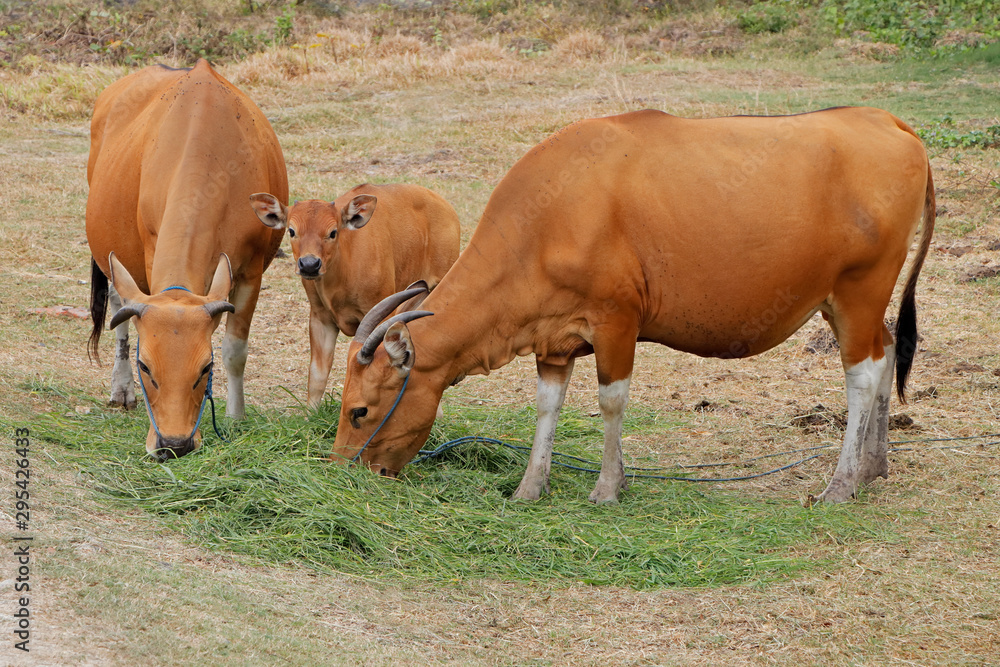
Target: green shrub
913 23
944 134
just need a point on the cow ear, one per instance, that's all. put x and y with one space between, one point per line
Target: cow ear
399 347
222 281
269 210
123 282
358 211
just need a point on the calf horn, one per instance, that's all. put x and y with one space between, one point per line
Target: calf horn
216 307
125 312
382 309
367 351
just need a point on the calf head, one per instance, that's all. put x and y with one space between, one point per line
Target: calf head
173 353
380 361
313 227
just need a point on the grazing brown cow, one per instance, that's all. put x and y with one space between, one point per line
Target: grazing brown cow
174 155
718 237
410 234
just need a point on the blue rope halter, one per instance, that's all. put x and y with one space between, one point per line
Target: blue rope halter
399 396
206 398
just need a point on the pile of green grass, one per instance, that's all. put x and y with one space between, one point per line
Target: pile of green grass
271 494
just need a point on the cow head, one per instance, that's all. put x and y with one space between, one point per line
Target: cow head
381 359
313 227
174 353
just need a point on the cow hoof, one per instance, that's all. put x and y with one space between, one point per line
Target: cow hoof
122 402
529 491
599 497
836 492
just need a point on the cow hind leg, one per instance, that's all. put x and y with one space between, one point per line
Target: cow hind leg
868 374
552 384
122 383
615 354
875 450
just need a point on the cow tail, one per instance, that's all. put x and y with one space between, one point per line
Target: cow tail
98 309
906 321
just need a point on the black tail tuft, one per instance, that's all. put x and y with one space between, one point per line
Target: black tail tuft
906 339
98 309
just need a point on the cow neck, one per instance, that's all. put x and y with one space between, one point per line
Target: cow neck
179 263
465 336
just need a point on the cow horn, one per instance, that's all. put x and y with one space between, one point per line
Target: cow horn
381 310
126 312
367 351
216 307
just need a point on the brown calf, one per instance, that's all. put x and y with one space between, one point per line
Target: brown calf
350 253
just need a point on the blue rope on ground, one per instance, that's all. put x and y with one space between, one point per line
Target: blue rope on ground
643 473
630 471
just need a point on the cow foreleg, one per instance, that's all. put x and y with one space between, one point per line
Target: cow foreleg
864 381
122 384
552 384
612 398
235 346
323 334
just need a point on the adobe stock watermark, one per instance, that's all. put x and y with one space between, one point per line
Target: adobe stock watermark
22 542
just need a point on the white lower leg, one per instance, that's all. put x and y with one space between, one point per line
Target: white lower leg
874 451
612 398
863 382
549 400
122 384
234 356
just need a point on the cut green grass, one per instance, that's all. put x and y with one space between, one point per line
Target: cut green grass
272 495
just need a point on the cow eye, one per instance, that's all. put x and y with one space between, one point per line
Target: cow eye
333 234
204 371
356 414
143 368
291 233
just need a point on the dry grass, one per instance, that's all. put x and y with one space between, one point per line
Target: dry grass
581 45
118 588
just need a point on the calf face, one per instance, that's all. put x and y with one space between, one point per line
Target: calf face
174 353
314 227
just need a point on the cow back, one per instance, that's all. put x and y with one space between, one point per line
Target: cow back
175 153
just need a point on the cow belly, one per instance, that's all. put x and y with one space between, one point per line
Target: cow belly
732 337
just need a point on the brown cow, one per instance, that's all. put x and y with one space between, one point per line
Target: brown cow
174 154
410 234
718 237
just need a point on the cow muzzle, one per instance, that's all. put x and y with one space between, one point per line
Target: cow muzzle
309 266
173 448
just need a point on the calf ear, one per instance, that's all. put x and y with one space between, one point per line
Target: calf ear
399 347
123 282
269 210
222 281
358 211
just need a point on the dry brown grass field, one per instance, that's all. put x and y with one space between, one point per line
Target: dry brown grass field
115 586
